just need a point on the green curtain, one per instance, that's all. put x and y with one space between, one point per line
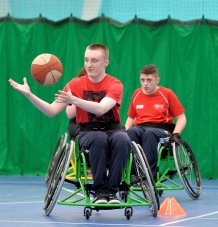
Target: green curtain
186 55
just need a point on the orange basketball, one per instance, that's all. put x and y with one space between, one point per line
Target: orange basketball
46 69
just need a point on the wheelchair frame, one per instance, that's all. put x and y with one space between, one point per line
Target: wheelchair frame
70 165
145 195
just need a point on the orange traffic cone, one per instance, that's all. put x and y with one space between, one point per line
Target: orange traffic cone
170 207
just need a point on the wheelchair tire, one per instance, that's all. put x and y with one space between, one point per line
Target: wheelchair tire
57 178
187 169
151 176
55 156
147 187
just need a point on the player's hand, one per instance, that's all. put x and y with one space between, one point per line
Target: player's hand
23 88
64 96
175 137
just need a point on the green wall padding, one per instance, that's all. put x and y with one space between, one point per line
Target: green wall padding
185 53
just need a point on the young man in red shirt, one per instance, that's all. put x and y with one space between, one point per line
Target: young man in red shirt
97 97
151 113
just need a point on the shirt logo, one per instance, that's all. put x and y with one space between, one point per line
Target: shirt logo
158 106
97 97
139 106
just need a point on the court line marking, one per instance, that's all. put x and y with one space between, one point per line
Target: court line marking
71 191
75 223
191 218
29 202
99 224
10 203
21 182
68 190
168 223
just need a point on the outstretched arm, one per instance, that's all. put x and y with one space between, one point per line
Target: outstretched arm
48 109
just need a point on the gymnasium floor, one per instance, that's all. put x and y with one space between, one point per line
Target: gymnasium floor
21 204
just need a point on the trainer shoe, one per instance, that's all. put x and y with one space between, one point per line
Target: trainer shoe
100 198
112 199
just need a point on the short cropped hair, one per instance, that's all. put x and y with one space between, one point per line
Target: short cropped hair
150 69
98 46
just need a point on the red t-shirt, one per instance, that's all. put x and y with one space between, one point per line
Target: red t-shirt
83 88
160 107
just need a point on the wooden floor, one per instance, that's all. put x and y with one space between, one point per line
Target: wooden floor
21 205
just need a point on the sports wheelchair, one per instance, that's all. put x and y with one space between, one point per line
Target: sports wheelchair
69 163
177 161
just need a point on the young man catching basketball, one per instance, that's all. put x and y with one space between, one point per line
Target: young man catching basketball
97 97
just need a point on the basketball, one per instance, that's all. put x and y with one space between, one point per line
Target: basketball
46 69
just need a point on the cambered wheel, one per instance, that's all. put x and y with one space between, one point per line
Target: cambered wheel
57 178
151 176
148 189
187 169
55 156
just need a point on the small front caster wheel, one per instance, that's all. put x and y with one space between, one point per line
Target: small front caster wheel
128 212
87 212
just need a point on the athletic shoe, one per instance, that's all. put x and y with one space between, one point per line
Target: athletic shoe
112 199
100 198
